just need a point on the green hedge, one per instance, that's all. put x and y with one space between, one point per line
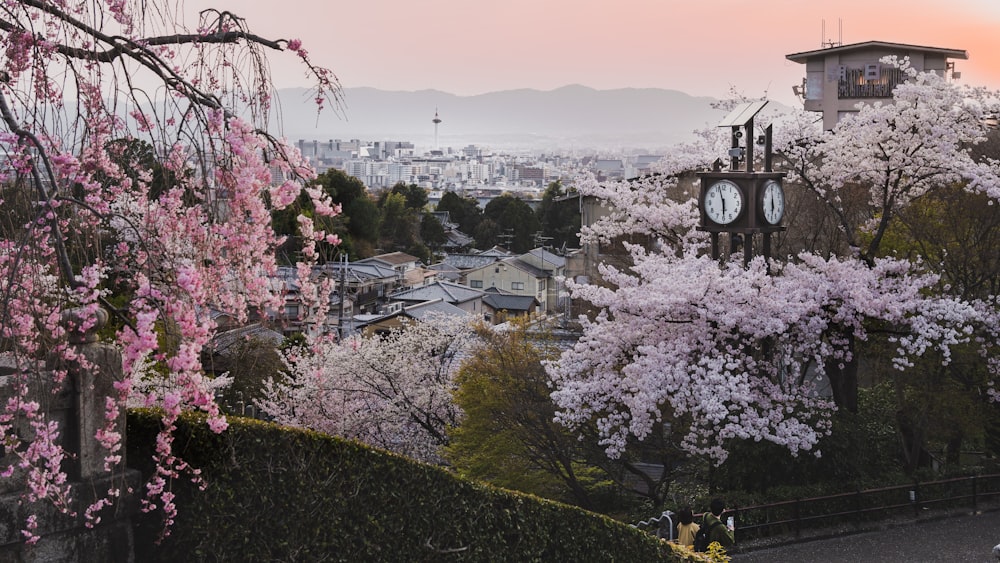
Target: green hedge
282 494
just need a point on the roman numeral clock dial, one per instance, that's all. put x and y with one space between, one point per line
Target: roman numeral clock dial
723 202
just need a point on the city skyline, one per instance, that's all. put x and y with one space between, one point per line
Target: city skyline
705 48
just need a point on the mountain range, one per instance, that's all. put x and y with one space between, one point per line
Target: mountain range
567 118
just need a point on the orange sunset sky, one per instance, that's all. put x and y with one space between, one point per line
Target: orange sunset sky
702 47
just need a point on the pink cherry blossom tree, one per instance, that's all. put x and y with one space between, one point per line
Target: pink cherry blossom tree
392 390
138 171
718 351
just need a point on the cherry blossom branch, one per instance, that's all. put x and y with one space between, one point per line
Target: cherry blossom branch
65 266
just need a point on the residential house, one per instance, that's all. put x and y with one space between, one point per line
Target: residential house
840 77
355 288
518 275
555 266
465 298
446 272
366 284
288 316
417 312
408 268
500 305
465 263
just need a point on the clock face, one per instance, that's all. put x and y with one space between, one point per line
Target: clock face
773 202
723 202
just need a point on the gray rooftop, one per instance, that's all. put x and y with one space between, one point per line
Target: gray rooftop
420 311
950 53
510 302
446 291
470 261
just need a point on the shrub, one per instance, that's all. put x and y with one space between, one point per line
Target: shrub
281 494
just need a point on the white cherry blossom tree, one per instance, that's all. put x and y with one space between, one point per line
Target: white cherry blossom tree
389 390
722 351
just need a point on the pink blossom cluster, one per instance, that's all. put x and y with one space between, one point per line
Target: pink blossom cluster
158 213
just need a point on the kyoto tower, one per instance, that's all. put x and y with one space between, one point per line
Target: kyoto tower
436 121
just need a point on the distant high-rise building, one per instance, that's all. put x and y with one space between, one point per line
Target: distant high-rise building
436 121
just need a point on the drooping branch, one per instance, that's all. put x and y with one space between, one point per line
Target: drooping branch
62 256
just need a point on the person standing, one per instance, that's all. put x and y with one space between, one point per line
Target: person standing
716 528
686 527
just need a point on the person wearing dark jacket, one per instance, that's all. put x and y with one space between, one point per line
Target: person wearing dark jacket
717 529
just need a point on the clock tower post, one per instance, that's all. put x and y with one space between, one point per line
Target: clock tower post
742 202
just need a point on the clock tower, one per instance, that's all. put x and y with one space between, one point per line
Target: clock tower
741 201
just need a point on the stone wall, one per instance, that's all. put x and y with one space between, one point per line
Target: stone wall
77 405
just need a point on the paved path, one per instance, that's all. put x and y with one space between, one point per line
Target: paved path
958 539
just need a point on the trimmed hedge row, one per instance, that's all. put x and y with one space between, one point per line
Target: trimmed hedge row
281 494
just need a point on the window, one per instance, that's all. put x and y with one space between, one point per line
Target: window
541 285
517 286
478 284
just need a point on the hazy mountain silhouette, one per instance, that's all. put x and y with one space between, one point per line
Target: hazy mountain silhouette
569 117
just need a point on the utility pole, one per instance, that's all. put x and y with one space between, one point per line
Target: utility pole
343 286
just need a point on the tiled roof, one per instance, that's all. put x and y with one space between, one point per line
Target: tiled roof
421 310
496 251
446 272
510 302
449 292
358 271
394 258
525 266
547 258
223 342
470 261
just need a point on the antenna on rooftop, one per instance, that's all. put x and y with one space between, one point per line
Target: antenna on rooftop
840 35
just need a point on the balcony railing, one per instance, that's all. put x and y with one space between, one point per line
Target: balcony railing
855 85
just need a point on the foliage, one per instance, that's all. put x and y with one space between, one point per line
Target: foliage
249 362
432 232
92 94
415 197
280 494
363 225
389 390
356 226
514 225
487 233
955 234
508 435
399 224
559 218
769 469
463 211
941 405
736 349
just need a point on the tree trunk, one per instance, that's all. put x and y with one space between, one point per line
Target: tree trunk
954 450
844 378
